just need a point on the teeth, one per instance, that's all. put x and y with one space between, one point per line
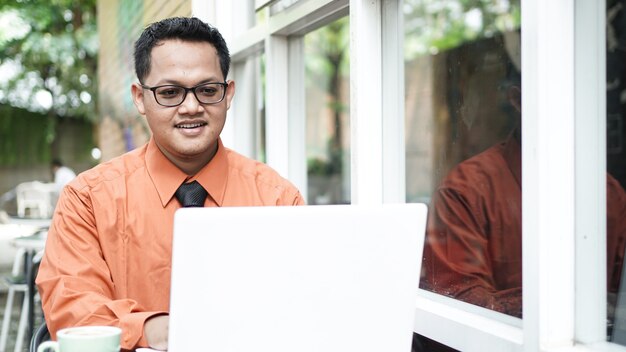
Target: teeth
190 125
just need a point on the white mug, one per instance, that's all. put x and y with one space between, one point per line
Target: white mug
85 338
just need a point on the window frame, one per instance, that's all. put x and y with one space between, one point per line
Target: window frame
564 200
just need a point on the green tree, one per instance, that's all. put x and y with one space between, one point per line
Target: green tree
330 55
48 56
433 26
48 66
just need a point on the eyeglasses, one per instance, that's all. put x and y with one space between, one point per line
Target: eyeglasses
172 95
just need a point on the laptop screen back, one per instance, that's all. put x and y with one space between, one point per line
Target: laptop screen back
311 278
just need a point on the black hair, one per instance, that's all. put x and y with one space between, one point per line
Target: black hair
56 162
513 75
183 28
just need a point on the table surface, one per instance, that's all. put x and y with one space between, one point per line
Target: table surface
36 222
34 242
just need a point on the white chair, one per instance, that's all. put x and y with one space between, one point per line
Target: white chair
35 196
17 282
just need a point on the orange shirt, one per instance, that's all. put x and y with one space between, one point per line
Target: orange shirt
108 255
473 247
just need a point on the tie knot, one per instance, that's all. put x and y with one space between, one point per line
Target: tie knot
191 194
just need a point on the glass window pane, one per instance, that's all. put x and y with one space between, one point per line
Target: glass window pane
248 122
282 5
327 113
463 146
261 15
260 107
616 167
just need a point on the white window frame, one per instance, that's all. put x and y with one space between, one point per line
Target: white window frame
564 154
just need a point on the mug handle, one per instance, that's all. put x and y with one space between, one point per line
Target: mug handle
53 345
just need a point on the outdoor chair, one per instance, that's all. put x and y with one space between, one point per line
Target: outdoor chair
41 334
36 197
17 282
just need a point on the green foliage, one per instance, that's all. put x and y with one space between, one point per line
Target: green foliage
48 49
432 26
327 59
326 167
318 166
328 52
29 138
48 61
24 137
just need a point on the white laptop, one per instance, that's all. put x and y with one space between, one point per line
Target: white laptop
284 279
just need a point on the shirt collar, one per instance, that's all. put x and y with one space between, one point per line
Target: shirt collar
167 177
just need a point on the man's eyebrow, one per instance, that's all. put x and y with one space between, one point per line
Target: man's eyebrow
174 82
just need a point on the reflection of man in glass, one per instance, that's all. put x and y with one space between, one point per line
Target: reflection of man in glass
473 248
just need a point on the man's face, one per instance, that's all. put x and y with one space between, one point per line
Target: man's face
186 133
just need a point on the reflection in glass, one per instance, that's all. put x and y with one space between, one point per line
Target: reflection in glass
261 15
616 169
249 124
327 113
281 5
259 117
463 148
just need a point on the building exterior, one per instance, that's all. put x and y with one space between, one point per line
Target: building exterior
119 23
402 94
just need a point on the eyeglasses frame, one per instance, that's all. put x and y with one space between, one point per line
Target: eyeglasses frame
187 90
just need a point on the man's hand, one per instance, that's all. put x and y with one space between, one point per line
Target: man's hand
156 329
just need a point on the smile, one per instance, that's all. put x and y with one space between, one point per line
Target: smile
191 125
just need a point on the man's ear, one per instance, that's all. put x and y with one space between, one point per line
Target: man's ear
230 93
137 93
514 94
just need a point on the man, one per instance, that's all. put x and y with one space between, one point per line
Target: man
473 247
108 255
62 174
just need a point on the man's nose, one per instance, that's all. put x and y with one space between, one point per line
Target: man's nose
190 104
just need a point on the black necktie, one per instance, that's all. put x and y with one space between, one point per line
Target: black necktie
191 194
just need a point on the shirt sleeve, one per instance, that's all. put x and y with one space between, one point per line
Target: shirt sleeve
297 199
289 195
74 280
616 240
457 258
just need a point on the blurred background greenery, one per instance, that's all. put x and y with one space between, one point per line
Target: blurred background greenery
48 87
